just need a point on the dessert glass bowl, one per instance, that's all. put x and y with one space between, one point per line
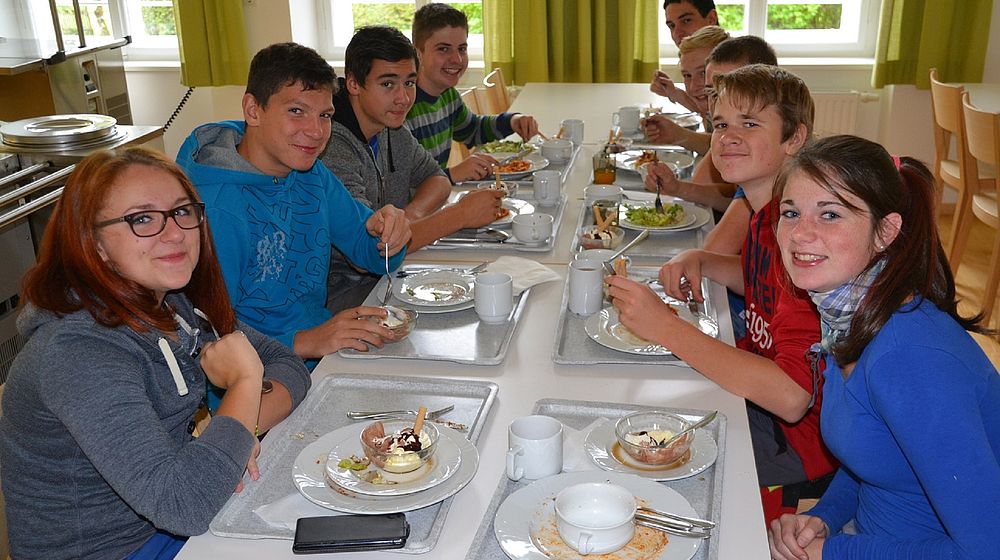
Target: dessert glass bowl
399 321
654 421
399 461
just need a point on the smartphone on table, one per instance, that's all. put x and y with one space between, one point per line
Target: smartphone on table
350 533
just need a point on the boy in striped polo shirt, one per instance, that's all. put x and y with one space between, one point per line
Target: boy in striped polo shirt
440 34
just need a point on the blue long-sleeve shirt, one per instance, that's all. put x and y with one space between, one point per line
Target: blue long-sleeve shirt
916 426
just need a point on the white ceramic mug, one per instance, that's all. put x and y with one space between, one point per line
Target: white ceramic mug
595 517
557 150
586 286
547 185
593 193
573 130
532 228
627 118
534 447
494 297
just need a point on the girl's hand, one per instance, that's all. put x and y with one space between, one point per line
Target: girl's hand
797 537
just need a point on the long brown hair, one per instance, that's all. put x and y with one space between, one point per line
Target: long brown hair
916 265
70 274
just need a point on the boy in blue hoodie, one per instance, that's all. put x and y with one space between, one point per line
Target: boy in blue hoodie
275 211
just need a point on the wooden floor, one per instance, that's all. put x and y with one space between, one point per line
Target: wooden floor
971 278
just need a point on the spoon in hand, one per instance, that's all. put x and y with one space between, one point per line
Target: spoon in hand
700 423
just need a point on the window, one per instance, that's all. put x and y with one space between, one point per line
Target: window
806 28
338 19
149 22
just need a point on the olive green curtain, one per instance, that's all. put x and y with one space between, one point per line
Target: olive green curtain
917 35
586 41
213 42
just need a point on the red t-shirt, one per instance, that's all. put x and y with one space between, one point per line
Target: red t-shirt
781 326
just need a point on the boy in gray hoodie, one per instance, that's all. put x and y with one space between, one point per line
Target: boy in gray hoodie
379 160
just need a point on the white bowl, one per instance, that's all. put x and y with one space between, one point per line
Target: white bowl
557 150
595 517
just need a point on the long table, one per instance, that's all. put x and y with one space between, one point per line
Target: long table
528 374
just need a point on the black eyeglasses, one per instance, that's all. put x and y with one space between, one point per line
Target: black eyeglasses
151 222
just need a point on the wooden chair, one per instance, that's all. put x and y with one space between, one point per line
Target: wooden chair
946 102
982 130
497 97
460 151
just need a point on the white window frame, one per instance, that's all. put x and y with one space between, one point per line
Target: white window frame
126 19
335 27
856 39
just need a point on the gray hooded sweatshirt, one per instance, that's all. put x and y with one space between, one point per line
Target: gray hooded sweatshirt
94 445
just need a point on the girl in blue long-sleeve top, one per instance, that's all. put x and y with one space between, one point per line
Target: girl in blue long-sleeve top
911 404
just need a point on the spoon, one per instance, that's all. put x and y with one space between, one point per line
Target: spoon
607 264
700 423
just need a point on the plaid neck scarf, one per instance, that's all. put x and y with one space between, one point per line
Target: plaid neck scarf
836 307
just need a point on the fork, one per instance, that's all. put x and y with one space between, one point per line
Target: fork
659 203
388 277
433 415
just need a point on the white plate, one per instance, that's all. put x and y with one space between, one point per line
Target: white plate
309 477
606 329
444 463
694 217
601 441
537 161
515 207
678 161
524 510
435 288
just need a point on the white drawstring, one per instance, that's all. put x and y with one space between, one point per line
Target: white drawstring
175 369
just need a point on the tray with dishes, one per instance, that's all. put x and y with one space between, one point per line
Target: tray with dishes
524 181
447 327
602 339
499 235
665 241
300 454
519 522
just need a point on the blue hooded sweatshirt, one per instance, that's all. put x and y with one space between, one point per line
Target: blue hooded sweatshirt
273 234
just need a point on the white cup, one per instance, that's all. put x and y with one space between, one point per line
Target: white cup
547 185
573 130
586 286
593 193
494 296
534 447
627 118
532 228
595 517
557 150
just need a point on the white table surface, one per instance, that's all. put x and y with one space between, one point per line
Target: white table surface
594 103
528 374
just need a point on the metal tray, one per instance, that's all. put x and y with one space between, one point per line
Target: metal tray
662 245
703 491
574 346
461 239
324 410
458 336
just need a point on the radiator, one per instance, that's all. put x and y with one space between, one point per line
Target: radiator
837 111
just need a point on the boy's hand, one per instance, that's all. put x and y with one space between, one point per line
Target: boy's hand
683 274
662 84
480 207
525 126
473 168
640 309
661 130
392 227
668 181
348 329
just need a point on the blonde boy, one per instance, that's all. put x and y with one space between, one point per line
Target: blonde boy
761 116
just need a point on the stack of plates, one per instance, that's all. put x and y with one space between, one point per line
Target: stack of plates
318 478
